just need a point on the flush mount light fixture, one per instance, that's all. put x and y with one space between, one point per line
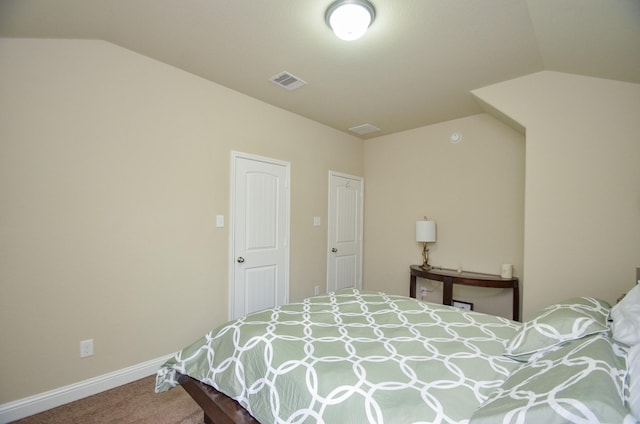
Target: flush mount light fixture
349 19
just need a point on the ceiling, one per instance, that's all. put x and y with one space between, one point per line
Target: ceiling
415 66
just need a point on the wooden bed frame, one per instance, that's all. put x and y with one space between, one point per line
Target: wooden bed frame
218 408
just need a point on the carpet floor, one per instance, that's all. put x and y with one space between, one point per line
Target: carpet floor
135 402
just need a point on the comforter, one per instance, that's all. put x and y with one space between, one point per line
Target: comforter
353 357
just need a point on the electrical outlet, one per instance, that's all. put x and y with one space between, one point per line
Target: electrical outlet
316 290
86 348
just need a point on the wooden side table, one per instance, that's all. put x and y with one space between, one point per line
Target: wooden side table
449 277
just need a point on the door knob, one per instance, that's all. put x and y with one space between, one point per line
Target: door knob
240 259
334 250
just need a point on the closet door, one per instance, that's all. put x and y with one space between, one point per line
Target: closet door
345 223
260 235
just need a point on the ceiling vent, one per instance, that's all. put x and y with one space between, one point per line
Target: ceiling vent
286 80
364 129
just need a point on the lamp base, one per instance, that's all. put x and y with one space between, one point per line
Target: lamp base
425 257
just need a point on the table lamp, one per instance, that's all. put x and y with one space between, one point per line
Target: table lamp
425 233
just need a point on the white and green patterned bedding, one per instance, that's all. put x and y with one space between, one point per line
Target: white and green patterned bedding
353 357
582 382
362 357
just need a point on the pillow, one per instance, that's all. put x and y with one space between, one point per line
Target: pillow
626 318
581 382
570 320
633 363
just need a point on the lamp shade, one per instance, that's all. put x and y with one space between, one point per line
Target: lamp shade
425 231
349 19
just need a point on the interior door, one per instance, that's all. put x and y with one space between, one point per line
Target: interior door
260 234
345 219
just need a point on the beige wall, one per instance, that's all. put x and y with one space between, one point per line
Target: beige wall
474 190
112 169
582 216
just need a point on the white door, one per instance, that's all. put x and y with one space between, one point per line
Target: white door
344 267
259 234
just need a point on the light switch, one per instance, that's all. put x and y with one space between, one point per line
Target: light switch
316 221
219 221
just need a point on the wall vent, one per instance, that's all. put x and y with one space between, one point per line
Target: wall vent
364 129
286 80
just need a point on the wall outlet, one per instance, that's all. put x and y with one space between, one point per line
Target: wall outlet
86 348
316 290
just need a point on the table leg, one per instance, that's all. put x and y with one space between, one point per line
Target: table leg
412 286
516 302
447 291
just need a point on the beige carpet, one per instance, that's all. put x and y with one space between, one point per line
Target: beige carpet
132 403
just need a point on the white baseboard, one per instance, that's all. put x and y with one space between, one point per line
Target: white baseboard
21 408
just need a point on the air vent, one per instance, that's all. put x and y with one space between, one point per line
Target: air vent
364 129
286 80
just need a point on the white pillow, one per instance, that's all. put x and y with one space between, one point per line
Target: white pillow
633 364
626 318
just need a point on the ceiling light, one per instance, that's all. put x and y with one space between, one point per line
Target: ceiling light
349 19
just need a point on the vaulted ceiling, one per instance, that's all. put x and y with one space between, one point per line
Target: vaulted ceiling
415 66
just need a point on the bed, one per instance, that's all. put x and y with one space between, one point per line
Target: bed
363 357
